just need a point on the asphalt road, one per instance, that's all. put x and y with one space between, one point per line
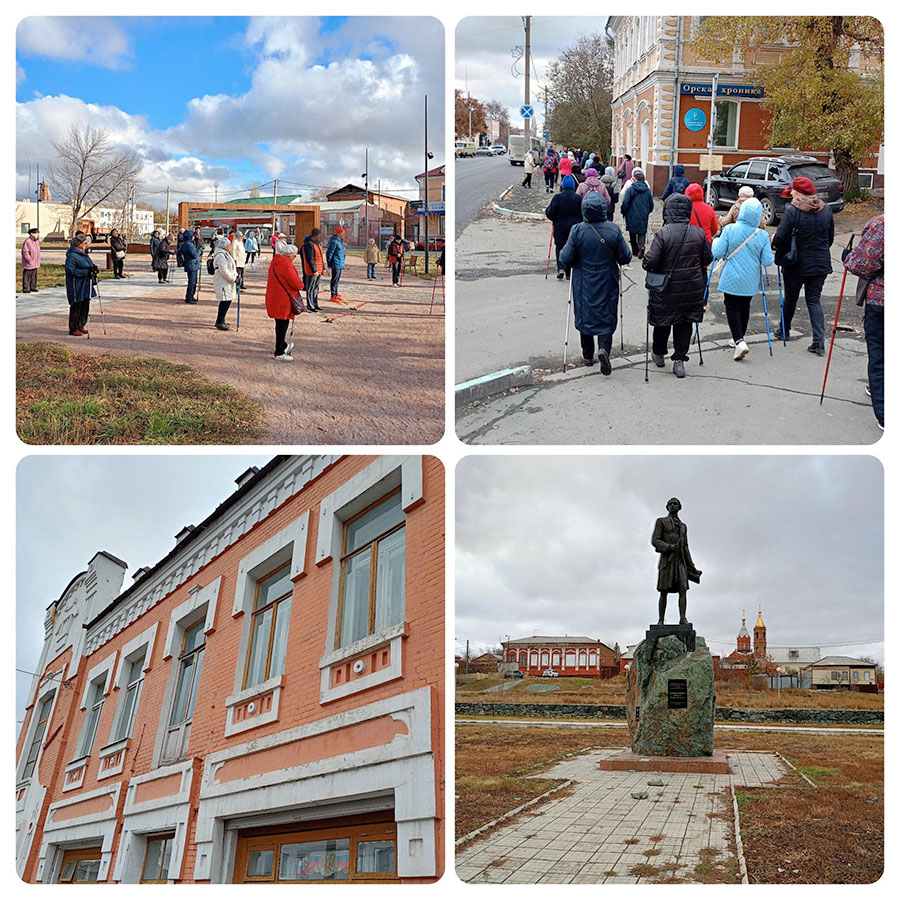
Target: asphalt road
479 180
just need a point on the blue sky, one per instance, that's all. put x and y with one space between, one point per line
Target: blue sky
234 101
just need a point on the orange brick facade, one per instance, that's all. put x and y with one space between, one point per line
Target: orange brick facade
339 740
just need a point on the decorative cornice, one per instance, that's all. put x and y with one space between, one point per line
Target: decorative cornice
280 486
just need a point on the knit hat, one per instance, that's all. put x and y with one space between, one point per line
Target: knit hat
79 239
803 186
339 229
591 173
568 183
637 173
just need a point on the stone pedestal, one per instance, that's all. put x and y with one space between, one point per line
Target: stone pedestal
671 700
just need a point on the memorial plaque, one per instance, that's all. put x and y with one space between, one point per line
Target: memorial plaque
677 693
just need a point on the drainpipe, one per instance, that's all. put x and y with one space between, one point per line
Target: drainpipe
677 115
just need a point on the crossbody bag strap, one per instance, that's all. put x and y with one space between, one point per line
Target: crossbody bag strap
608 248
290 295
742 244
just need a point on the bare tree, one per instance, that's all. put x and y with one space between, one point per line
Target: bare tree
320 194
90 171
496 110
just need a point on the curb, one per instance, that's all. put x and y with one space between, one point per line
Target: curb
503 211
494 383
739 844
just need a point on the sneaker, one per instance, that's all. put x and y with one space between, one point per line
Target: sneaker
741 350
778 335
289 347
731 343
868 390
678 368
659 360
819 351
222 326
285 357
588 362
605 366
560 275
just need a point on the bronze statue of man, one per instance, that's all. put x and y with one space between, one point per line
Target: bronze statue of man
676 568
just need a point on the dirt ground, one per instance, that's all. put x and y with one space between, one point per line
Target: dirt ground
369 371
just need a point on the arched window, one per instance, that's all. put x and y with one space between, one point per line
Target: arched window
545 657
534 658
582 659
645 142
570 659
592 659
556 659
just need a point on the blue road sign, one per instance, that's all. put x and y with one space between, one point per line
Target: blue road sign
527 112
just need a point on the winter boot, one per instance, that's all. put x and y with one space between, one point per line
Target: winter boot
220 318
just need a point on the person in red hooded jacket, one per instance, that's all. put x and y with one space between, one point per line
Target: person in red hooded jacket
702 214
283 283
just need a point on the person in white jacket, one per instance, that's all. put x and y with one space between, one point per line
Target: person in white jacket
239 252
530 166
224 281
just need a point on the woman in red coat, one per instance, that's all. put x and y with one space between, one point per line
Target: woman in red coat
283 283
702 214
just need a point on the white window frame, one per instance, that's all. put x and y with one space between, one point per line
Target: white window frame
737 125
143 643
48 687
100 676
289 545
373 483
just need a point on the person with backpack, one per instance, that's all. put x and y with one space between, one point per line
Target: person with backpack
678 257
637 204
190 260
802 246
593 185
609 180
866 260
550 167
395 258
678 183
334 258
594 251
118 246
529 165
225 281
745 248
625 168
564 211
313 267
282 296
565 166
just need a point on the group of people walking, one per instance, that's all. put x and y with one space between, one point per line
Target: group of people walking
686 252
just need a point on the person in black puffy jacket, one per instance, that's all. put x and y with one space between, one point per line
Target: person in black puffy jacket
680 249
814 223
564 211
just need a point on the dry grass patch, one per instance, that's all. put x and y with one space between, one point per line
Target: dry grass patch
52 275
66 397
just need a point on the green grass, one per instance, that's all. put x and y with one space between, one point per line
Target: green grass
63 397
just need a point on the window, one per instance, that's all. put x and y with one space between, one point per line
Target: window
132 693
337 854
867 675
269 628
865 180
545 658
42 714
757 170
793 654
91 719
739 171
372 571
773 173
189 664
156 859
856 674
725 134
80 866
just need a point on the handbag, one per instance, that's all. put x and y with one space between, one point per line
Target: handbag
120 254
658 282
790 257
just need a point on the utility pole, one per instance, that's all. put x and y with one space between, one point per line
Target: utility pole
217 194
274 204
38 192
167 209
467 657
366 173
712 129
527 80
378 239
426 184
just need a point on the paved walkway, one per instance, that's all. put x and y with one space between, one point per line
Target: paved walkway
599 834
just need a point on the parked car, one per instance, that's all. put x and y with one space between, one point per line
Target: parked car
484 151
435 243
498 149
514 674
550 673
771 177
464 148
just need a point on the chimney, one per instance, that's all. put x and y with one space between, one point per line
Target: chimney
185 532
245 476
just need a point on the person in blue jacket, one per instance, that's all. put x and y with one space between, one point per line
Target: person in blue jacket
746 249
190 256
80 274
334 257
595 250
564 211
677 183
636 207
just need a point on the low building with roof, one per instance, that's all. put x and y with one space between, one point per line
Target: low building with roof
843 673
570 655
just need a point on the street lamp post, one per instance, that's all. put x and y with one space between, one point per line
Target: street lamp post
427 155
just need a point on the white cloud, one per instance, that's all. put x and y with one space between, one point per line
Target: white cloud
98 40
20 74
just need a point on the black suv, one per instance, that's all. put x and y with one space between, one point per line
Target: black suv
771 177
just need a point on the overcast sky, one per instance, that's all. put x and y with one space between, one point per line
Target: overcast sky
69 507
561 545
238 101
483 50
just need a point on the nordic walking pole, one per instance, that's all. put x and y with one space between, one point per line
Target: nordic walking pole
621 311
699 345
781 303
647 343
433 289
568 317
549 249
100 301
837 315
696 336
765 308
239 308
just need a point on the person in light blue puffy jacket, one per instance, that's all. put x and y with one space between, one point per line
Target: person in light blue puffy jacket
746 249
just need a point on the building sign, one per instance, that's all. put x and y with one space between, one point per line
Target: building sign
695 119
435 207
677 693
753 91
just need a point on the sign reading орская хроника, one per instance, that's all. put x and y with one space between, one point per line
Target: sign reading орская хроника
723 90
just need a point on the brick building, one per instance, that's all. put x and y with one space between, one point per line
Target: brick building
264 704
661 101
582 656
